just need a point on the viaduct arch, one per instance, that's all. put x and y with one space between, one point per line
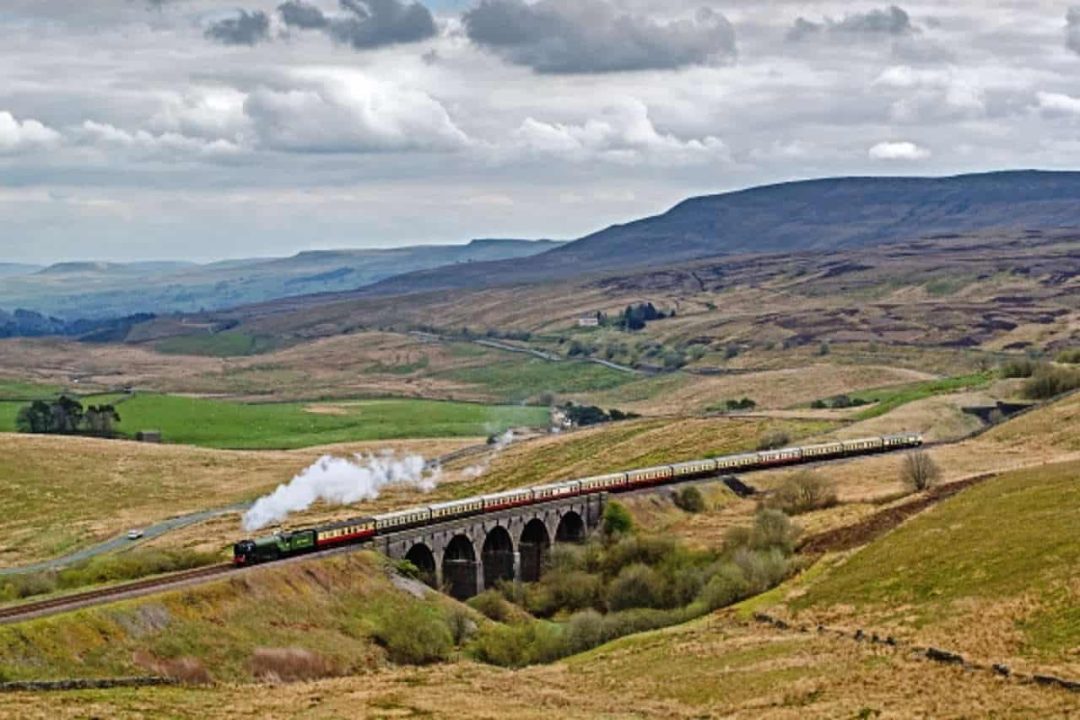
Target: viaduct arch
468 555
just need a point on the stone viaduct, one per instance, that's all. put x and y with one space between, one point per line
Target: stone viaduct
467 555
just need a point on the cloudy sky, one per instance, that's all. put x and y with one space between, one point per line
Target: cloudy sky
139 129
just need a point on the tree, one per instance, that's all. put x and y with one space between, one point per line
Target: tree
617 519
802 492
919 471
34 418
100 419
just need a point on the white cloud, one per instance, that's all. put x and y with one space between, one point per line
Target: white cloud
18 136
1057 104
350 112
623 134
141 142
898 151
932 94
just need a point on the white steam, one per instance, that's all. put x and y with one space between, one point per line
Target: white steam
341 481
501 443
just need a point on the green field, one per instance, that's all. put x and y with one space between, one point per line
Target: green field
515 381
18 390
889 398
230 425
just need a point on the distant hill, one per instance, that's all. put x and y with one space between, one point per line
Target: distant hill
95 290
809 215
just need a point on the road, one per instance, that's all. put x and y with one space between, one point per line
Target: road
121 541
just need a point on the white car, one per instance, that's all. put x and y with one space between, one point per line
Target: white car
134 534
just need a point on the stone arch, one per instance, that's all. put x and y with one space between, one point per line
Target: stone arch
534 545
423 558
571 528
497 556
459 568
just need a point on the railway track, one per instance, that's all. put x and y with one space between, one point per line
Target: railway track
25 611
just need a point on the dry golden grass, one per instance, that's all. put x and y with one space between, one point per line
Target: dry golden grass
709 668
781 388
61 493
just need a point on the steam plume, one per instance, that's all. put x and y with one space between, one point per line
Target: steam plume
340 481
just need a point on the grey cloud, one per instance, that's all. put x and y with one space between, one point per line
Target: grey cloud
892 21
593 36
297 13
1072 29
365 23
247 28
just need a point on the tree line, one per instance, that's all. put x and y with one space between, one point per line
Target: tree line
67 416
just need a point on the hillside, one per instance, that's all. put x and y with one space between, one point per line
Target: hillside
822 215
79 290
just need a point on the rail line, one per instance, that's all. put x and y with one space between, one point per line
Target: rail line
138 588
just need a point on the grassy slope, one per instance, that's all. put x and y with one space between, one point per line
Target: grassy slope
326 606
62 493
222 424
994 571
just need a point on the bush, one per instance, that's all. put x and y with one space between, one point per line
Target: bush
563 590
919 471
1019 368
1048 382
763 569
635 550
727 586
689 499
773 439
1069 357
461 624
802 492
414 634
771 529
617 519
492 605
584 630
519 645
637 586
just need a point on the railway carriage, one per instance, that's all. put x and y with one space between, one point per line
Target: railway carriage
508 499
344 532
554 491
779 457
402 519
598 483
649 476
693 467
823 450
862 445
456 508
734 462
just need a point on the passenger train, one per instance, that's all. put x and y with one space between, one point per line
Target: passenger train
357 530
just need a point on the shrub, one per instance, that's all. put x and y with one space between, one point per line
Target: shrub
635 550
771 529
519 645
762 569
617 519
1018 368
637 586
689 499
728 585
289 665
1048 382
584 630
919 471
773 439
414 634
492 605
461 624
802 492
564 590
819 405
1069 357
